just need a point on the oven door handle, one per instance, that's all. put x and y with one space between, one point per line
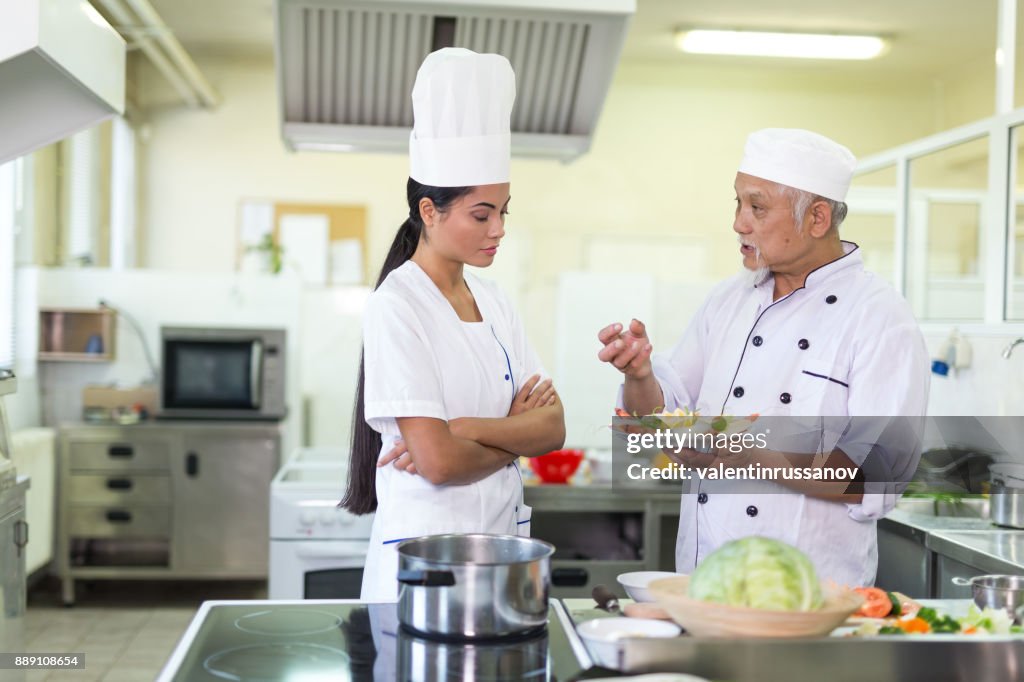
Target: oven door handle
255 371
315 552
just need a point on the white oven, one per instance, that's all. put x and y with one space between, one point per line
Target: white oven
317 551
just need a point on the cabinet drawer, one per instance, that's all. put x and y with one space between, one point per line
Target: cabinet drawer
119 456
119 489
119 521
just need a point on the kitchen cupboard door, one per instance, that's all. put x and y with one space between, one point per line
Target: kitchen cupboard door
221 505
13 536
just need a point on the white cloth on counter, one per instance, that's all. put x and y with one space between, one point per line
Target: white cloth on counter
421 360
845 344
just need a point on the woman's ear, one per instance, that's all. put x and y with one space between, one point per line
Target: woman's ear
428 212
821 219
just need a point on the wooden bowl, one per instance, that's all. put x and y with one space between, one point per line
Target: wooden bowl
709 619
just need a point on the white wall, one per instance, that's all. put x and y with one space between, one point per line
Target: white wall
157 298
661 168
991 386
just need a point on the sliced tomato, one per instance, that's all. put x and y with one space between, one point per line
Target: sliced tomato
876 602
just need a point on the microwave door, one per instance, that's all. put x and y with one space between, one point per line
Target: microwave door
255 380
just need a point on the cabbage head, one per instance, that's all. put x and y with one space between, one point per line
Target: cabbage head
758 572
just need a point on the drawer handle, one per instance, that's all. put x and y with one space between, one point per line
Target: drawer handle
569 577
20 535
119 516
192 464
120 451
119 484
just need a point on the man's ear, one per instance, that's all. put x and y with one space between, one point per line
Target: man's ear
821 219
428 212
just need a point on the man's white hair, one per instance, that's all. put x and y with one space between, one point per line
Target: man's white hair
801 201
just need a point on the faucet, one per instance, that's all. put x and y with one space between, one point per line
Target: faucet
1009 349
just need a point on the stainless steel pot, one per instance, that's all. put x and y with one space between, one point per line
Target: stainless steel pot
426 660
473 586
998 592
1006 505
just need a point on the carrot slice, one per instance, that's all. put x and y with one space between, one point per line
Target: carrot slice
914 624
876 602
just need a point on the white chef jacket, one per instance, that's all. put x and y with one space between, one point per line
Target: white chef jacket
844 344
421 360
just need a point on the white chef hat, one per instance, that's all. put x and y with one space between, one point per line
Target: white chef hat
462 104
800 159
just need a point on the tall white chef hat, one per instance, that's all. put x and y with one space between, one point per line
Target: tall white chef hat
800 159
462 104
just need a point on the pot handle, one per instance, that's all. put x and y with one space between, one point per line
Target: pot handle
962 582
427 578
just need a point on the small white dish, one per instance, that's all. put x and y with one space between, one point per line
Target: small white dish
635 583
603 637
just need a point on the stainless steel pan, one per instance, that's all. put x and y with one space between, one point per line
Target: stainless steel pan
473 586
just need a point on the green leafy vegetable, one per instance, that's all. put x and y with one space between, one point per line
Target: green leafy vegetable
758 572
897 608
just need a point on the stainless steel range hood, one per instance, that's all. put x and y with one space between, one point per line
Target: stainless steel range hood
345 68
62 69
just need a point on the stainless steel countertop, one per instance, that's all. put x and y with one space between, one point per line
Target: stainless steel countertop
992 551
601 497
929 523
972 541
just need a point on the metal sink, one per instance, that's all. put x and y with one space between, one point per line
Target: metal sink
968 507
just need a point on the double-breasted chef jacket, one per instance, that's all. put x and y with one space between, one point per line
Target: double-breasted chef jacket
843 344
423 361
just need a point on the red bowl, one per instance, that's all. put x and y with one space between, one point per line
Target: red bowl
556 466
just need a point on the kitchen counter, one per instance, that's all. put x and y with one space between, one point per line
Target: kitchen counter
928 523
919 554
973 541
990 551
838 658
600 497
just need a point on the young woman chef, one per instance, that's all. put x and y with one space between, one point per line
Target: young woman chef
449 393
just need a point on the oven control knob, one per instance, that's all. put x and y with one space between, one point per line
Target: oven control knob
307 518
327 518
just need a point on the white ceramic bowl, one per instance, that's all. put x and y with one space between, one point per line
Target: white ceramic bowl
603 636
636 583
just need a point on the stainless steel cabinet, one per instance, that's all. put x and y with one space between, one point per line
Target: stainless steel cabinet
217 514
946 569
165 500
13 538
599 533
904 563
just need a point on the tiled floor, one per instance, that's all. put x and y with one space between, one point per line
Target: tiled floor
126 629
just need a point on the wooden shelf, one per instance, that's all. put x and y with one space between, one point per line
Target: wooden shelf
76 334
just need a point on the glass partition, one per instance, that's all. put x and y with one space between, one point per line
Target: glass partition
871 221
945 240
1015 261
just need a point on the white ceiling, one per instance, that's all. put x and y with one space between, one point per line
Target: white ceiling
927 36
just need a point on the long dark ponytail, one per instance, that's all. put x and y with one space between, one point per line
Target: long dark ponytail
361 494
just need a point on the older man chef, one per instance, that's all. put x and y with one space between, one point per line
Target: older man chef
806 331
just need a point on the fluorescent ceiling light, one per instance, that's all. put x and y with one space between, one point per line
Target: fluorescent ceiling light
764 44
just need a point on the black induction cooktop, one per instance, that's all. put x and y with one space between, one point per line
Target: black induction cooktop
317 641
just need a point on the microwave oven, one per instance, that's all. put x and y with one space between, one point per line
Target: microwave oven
229 373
